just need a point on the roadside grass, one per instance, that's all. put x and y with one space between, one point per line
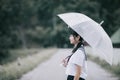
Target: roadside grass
115 69
18 53
15 69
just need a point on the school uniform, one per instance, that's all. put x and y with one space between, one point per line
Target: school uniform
79 58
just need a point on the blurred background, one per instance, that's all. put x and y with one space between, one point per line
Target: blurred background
28 24
34 23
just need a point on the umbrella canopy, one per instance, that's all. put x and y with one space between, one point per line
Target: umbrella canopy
91 32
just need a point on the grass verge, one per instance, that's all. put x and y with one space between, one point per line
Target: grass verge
18 53
115 69
16 69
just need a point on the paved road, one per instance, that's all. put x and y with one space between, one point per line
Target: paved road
51 70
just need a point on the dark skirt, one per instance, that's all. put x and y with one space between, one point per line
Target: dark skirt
72 78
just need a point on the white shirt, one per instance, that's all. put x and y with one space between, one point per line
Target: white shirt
77 58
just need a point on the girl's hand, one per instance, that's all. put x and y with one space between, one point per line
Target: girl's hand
64 62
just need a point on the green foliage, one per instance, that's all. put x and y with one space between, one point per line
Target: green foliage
30 23
17 53
15 69
115 69
47 37
110 14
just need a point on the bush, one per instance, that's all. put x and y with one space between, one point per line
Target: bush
16 69
115 69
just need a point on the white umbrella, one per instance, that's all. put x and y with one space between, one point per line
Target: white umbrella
92 33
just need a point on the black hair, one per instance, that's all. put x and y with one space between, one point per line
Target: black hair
75 34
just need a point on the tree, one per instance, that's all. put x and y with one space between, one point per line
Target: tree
108 10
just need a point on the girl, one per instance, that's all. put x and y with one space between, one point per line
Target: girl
76 62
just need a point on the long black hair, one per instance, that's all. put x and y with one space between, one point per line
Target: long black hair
81 42
75 34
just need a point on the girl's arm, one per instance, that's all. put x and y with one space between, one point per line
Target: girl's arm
78 72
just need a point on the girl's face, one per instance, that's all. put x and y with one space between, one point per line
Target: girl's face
74 40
